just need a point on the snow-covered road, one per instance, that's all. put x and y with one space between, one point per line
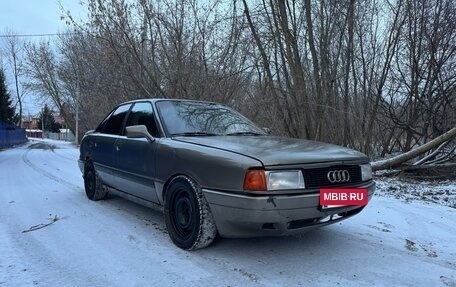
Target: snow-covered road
119 243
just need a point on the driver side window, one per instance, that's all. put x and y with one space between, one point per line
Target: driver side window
142 114
112 124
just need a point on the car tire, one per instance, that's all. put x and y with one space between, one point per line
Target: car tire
188 218
92 183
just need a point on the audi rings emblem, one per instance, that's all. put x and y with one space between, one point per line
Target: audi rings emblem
337 176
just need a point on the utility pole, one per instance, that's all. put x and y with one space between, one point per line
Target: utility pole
42 123
76 136
143 49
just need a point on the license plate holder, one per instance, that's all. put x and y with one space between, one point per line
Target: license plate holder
329 207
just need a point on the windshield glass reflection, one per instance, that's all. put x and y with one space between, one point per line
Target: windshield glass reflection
203 119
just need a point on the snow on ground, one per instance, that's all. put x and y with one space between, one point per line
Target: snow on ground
442 192
401 241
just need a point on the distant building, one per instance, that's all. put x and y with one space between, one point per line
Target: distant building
34 133
30 122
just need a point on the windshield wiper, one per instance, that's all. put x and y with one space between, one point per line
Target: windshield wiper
194 134
245 133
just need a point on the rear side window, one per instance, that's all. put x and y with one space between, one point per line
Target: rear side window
113 123
142 114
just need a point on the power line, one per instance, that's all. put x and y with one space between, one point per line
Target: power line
38 35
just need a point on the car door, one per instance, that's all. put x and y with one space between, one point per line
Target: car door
134 158
101 143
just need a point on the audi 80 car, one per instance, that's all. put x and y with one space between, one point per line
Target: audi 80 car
214 172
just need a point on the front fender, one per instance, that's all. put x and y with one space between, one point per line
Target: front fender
210 167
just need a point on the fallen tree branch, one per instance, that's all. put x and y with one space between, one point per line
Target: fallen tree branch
397 160
431 155
41 225
446 157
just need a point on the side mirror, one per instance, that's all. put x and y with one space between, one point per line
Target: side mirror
139 131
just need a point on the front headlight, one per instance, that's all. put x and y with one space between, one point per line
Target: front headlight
280 180
366 172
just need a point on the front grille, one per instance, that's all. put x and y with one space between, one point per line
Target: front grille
318 177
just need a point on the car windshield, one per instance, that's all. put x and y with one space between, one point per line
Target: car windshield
187 118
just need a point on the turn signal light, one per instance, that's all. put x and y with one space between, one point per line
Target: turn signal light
255 180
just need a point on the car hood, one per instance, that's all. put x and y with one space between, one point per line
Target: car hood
271 150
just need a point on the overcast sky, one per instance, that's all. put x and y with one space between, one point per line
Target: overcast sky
36 16
29 17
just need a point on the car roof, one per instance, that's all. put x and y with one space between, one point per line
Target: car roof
154 100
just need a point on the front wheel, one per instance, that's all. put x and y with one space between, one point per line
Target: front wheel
92 183
187 215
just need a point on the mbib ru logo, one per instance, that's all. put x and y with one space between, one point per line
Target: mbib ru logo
343 196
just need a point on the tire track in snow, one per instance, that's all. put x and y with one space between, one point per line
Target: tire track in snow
64 157
66 153
49 175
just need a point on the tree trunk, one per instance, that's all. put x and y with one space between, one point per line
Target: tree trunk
397 160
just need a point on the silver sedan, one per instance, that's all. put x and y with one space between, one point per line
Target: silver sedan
214 172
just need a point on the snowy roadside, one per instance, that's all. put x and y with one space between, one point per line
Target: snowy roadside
440 192
404 237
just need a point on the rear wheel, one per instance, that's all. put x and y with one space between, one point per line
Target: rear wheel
187 215
93 185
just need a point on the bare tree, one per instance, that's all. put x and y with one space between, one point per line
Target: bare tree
377 75
42 69
327 65
422 97
13 48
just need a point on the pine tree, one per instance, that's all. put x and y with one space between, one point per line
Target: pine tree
6 109
49 121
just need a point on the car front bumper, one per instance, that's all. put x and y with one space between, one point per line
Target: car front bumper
238 216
